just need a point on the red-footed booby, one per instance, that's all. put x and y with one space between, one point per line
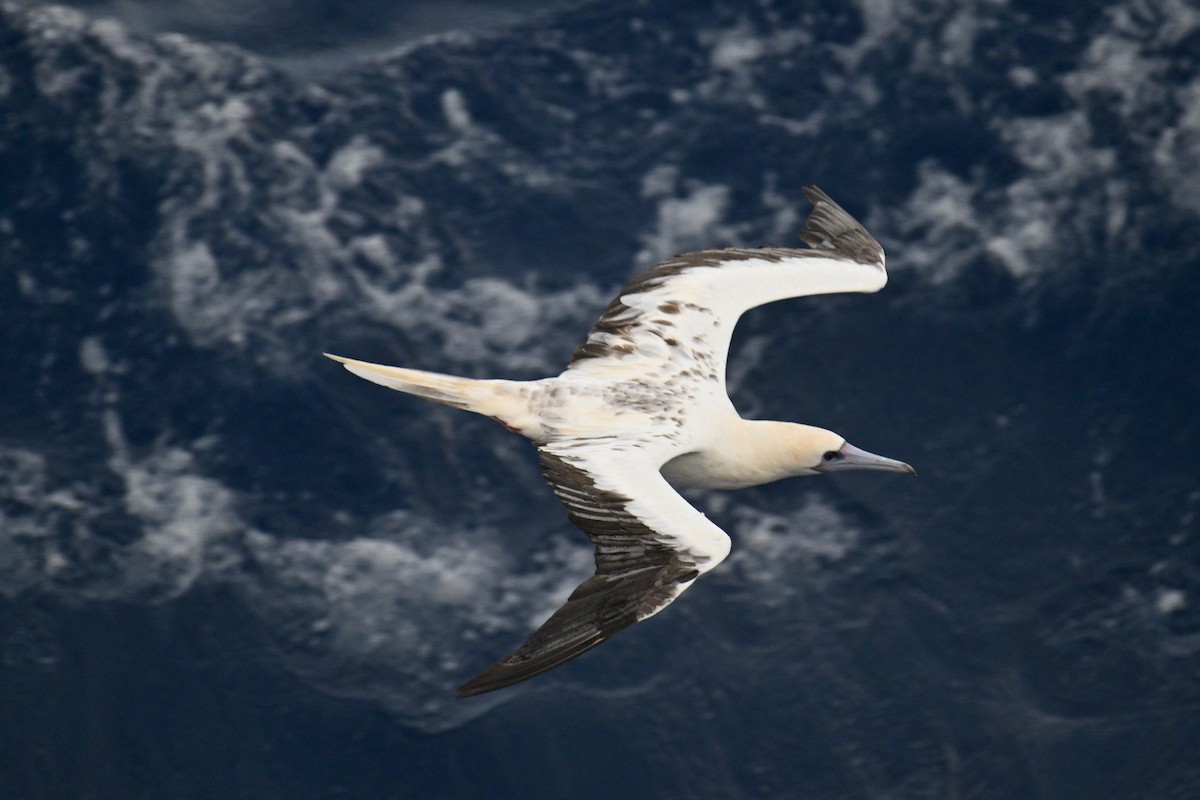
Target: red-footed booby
642 410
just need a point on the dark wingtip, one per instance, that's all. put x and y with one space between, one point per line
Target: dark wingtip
830 227
504 673
815 195
497 676
531 659
469 689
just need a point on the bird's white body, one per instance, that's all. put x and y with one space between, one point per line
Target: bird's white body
642 409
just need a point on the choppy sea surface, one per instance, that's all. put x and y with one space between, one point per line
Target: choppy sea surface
229 569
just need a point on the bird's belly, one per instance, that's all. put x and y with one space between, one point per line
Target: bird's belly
701 470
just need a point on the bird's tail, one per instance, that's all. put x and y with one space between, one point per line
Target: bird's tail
506 401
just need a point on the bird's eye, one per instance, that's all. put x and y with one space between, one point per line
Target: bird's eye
830 456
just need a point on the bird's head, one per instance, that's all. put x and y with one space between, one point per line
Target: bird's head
819 450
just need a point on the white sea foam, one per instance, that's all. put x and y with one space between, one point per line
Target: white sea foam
26 520
1177 153
1168 601
331 269
688 218
1029 227
772 549
737 54
92 355
188 520
183 517
1071 184
400 623
736 48
454 108
883 21
485 321
939 226
351 161
395 617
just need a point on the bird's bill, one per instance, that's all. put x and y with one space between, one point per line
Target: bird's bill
855 458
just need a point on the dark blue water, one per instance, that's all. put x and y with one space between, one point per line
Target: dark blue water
228 569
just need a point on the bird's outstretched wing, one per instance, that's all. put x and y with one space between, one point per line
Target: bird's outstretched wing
650 545
687 306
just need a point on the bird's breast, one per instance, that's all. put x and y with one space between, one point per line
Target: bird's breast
708 470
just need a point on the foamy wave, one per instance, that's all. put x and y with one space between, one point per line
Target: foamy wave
398 622
776 552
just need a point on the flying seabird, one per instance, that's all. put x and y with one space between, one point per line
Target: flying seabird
642 410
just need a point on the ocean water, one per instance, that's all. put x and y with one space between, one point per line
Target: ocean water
229 569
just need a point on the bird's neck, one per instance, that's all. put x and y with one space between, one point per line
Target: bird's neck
767 450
